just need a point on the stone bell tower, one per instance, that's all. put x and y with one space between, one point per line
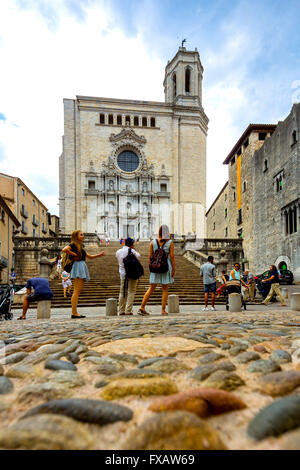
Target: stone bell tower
183 79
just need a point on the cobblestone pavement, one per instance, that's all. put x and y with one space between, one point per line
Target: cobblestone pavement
198 380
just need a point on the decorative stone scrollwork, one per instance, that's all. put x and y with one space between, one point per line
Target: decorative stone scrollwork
128 134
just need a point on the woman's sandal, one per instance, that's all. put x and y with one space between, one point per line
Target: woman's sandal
78 316
142 312
164 313
21 318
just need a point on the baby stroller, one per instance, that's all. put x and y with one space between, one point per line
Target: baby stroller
6 299
233 287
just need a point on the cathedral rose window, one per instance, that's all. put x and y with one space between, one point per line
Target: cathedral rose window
128 161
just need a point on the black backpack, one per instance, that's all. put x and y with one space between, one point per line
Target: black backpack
133 268
159 260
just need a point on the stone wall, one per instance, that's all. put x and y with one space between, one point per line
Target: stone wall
272 243
217 218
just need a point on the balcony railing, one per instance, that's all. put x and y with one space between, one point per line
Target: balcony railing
44 230
3 262
23 212
35 222
24 230
91 192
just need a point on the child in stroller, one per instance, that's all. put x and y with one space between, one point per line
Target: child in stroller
6 299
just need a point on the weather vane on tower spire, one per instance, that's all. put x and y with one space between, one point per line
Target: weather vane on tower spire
182 42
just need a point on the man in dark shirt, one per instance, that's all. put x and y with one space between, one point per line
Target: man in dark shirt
42 291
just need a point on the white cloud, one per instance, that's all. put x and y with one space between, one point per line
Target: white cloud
44 65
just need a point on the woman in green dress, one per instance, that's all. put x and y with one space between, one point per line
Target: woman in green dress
165 279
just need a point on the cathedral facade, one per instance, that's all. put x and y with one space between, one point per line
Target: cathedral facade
129 166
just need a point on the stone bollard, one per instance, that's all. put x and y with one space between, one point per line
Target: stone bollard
285 293
173 303
295 302
111 307
43 309
235 303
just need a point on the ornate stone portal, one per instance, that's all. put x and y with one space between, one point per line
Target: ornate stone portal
130 199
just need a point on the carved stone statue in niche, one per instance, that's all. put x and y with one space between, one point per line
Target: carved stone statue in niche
111 185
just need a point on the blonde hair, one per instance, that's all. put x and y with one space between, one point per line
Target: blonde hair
77 243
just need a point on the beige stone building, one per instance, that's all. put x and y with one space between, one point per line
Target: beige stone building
27 208
217 216
127 166
232 211
8 225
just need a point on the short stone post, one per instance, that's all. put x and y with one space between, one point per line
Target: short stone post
111 307
235 303
285 293
173 303
43 309
295 302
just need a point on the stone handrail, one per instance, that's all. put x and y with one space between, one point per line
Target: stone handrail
50 242
196 257
206 244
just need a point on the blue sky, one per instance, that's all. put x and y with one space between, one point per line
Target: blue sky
59 48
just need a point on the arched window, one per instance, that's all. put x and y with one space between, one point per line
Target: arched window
127 120
119 120
102 118
265 165
295 219
136 120
152 122
128 208
187 80
144 122
110 119
294 137
111 207
286 219
291 221
111 185
174 86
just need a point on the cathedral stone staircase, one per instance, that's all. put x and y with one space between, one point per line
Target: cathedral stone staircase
105 281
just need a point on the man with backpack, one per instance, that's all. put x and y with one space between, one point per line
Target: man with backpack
130 270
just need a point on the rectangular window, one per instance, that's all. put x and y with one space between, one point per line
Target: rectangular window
102 118
23 192
239 220
239 152
226 213
91 184
33 232
226 232
163 188
262 135
246 143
